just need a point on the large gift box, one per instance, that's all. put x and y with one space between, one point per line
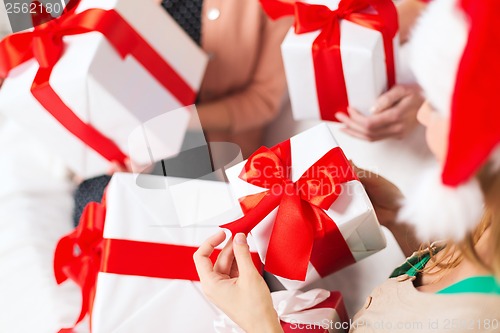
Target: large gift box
305 207
338 54
314 311
109 79
136 258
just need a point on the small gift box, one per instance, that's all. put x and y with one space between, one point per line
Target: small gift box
315 311
338 54
306 209
107 80
136 258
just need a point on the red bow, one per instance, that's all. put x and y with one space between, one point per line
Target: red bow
45 44
78 255
302 231
329 73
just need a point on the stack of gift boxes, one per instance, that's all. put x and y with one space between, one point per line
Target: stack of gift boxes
91 91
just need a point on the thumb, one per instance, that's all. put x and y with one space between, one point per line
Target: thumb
242 255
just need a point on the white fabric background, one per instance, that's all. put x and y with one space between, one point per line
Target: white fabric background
35 211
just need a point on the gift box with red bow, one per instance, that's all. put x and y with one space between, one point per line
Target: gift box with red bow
314 311
338 54
107 80
305 207
133 259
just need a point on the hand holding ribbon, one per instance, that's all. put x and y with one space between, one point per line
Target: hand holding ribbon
83 253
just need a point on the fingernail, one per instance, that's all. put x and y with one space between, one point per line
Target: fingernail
240 239
373 109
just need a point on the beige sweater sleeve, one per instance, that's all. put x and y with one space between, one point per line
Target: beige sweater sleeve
258 103
396 306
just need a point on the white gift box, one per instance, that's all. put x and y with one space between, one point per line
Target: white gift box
316 310
363 61
352 211
130 304
116 95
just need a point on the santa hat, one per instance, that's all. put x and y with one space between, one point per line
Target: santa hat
455 58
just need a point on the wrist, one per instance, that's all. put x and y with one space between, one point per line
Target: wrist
268 324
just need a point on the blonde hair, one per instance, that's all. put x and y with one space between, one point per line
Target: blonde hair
453 253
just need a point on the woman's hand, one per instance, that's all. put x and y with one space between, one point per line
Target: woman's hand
394 115
386 199
384 195
235 286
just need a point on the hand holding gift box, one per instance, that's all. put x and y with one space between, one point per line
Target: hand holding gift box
307 211
136 269
314 311
337 56
85 81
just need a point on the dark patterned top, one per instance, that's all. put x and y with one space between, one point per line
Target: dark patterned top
91 190
187 13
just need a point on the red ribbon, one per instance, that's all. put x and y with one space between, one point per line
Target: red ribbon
78 255
329 73
45 44
165 261
302 231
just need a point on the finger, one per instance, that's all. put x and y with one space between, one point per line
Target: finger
369 125
390 98
115 167
225 260
234 272
357 117
396 131
111 169
374 136
353 125
392 131
243 256
403 120
357 134
202 256
77 179
128 165
382 120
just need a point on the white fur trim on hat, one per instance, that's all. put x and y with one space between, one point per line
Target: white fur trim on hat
436 48
439 212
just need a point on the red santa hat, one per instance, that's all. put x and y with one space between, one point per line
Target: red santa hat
455 58
456 52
